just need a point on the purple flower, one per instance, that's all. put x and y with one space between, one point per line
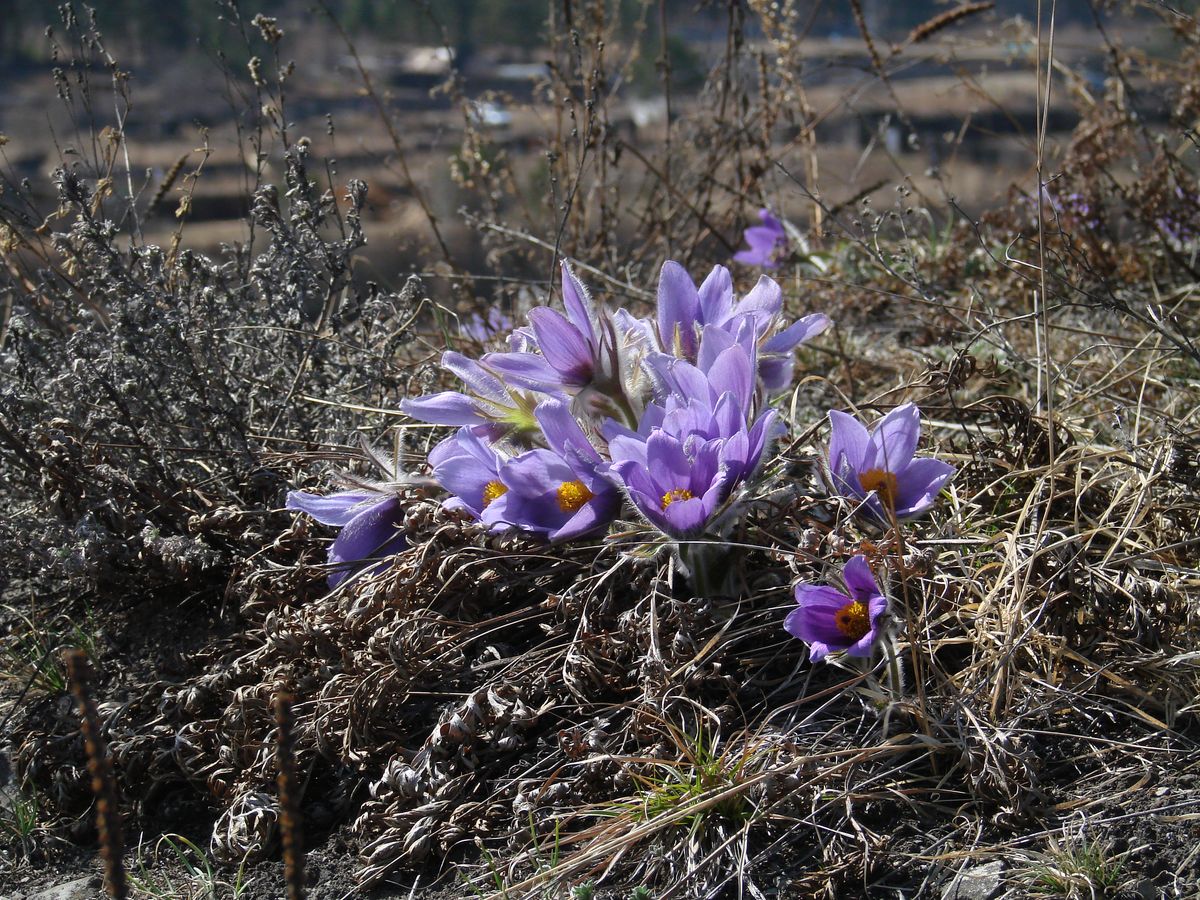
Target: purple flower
482 330
681 312
725 364
704 424
879 468
676 485
724 451
470 469
762 307
489 406
590 354
559 493
711 401
571 345
828 619
369 522
685 311
767 241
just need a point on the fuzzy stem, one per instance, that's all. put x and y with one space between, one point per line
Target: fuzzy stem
289 800
104 785
910 626
707 565
895 672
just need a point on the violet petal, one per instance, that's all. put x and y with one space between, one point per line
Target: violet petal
564 347
336 510
372 533
797 333
859 579
678 310
848 442
444 408
893 440
919 484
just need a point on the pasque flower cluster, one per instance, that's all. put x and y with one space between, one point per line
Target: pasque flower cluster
590 410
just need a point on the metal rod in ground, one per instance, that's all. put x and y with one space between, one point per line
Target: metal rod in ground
289 797
104 784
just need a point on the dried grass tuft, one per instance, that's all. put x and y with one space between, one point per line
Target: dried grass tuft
941 22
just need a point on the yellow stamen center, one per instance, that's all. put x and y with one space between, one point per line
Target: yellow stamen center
678 494
572 495
853 620
882 483
493 490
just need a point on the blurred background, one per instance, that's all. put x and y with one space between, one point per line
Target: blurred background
424 99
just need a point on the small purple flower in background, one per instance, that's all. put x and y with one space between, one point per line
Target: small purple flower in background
369 521
1070 209
828 619
482 330
879 469
1177 223
767 242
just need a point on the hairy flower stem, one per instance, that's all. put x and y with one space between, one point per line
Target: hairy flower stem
910 626
708 567
621 398
616 402
895 671
895 679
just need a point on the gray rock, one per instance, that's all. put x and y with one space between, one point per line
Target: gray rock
79 889
978 883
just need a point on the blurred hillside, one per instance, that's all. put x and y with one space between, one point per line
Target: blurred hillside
140 28
467 85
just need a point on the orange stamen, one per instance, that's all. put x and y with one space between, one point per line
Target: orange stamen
883 483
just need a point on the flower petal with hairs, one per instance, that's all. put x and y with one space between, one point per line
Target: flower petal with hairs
370 524
492 408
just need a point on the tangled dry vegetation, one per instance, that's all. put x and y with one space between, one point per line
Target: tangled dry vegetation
533 719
